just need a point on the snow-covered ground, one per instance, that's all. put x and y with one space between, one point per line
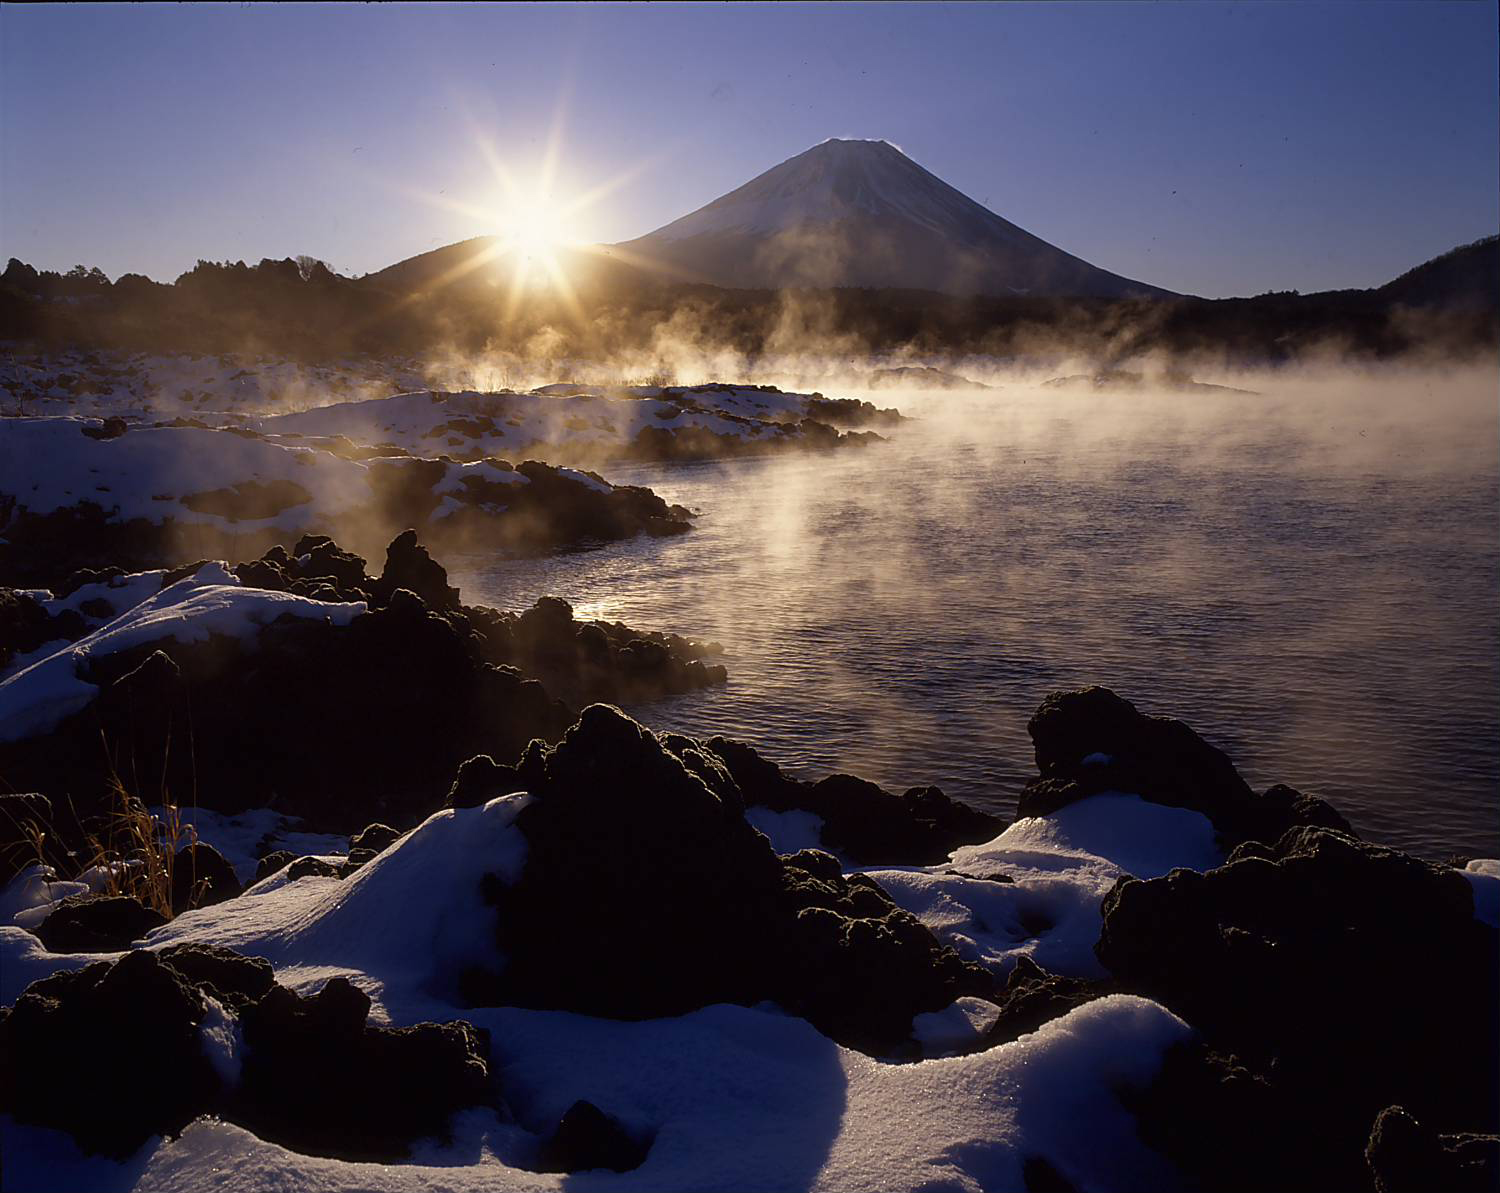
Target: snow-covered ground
154 473
733 1097
146 385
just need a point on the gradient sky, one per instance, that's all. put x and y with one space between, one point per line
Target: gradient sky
1209 148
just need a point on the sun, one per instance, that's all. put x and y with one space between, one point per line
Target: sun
533 230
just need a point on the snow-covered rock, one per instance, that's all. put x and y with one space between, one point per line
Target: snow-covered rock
562 423
75 492
210 602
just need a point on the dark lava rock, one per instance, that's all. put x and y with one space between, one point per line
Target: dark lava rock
480 780
646 893
865 823
554 509
1348 976
409 566
1228 1128
274 862
328 711
587 1138
25 625
110 428
201 877
134 1022
316 718
248 501
97 924
230 977
316 1077
1033 996
1092 740
1406 1157
376 838
356 859
314 866
587 662
319 1080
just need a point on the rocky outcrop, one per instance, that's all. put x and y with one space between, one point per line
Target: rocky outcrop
585 662
26 625
587 1138
863 822
646 893
97 924
136 1018
314 718
581 662
318 1079
319 718
314 1075
1031 996
1344 976
1092 740
201 877
56 518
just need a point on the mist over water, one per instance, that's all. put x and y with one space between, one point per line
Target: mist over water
1308 577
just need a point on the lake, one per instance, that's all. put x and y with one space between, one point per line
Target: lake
1307 576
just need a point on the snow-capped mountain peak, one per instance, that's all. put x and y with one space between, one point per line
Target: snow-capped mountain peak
863 213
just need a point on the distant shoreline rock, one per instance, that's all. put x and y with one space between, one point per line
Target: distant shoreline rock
159 496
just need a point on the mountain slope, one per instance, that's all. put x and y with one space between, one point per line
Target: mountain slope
862 213
1464 276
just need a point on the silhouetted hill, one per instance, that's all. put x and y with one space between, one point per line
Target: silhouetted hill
455 299
1466 276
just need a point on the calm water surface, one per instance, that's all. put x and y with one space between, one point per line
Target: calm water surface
1307 577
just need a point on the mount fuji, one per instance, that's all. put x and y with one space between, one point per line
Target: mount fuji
862 213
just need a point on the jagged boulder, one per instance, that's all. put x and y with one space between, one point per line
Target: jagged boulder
376 838
136 1019
317 715
594 661
865 823
201 877
587 1138
1337 970
1091 740
315 1076
97 924
273 863
1031 996
409 566
646 893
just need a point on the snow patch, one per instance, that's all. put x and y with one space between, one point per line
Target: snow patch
219 1035
411 918
789 832
1484 876
1060 867
957 1027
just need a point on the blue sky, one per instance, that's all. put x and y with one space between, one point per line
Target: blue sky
1209 148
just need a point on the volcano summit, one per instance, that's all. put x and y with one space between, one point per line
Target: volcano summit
862 213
